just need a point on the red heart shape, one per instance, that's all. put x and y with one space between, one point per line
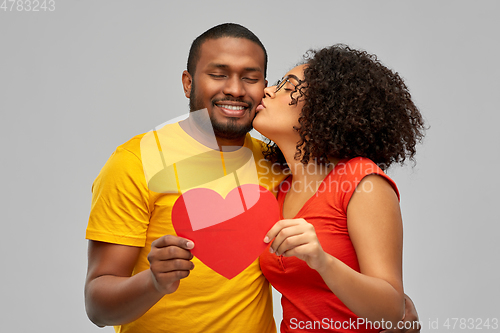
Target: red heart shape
227 239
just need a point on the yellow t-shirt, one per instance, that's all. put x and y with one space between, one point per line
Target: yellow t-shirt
126 211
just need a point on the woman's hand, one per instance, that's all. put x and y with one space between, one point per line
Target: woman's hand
297 237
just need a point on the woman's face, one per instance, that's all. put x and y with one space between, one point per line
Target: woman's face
275 116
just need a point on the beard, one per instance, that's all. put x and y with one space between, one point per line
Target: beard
230 129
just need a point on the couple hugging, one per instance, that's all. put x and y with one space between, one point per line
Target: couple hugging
333 124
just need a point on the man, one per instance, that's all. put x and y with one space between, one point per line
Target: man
136 261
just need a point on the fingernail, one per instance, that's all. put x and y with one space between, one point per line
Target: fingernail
266 239
271 250
189 245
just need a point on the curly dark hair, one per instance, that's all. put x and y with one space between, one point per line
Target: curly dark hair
354 106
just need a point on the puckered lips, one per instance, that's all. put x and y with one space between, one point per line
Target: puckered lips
232 108
260 107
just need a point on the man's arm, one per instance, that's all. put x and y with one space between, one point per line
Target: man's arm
114 297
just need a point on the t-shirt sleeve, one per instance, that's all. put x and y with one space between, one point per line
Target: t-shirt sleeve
353 173
120 202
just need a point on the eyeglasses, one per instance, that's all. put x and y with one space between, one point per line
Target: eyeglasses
281 83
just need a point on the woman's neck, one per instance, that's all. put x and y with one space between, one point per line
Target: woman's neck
305 183
306 177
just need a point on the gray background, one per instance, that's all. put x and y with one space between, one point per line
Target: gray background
79 81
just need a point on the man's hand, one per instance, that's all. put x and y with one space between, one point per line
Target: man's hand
410 320
170 261
115 296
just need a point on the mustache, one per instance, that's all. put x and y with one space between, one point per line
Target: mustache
232 99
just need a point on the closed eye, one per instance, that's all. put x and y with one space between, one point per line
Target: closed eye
251 80
217 76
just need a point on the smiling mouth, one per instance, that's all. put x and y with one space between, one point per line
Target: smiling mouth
232 110
231 107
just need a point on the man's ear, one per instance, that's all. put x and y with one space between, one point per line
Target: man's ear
187 82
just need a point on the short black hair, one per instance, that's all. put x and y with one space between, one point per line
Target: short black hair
233 30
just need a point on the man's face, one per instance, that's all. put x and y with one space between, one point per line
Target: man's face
229 82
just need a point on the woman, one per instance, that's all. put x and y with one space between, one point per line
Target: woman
337 121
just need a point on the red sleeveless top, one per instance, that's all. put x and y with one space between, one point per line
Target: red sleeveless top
308 304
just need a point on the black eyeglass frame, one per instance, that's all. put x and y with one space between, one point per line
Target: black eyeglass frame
281 83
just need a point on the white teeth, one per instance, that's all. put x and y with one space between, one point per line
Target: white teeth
232 107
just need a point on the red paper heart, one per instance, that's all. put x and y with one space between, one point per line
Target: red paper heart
236 240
